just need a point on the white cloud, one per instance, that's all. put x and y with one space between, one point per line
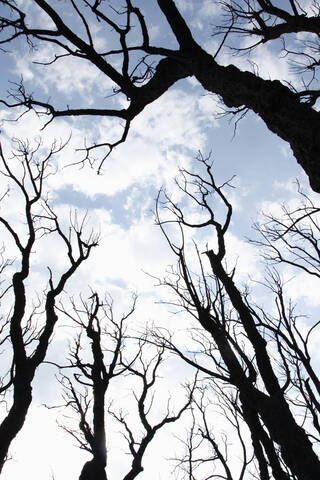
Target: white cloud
303 286
309 6
270 64
126 254
176 119
244 256
289 185
165 135
60 75
185 5
209 8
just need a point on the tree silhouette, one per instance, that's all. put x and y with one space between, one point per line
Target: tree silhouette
264 356
147 71
258 361
28 326
87 392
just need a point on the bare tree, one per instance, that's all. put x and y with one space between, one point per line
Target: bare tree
87 392
238 351
28 326
291 237
147 71
205 450
291 240
95 319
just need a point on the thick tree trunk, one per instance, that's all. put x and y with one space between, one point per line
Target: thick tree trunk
15 419
261 442
296 448
280 109
93 470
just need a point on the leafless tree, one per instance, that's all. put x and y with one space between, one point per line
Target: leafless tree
87 392
147 71
291 236
236 343
205 451
27 325
291 239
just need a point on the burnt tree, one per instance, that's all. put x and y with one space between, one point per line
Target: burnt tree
113 354
147 71
29 325
239 338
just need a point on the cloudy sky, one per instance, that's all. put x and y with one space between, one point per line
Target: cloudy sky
120 202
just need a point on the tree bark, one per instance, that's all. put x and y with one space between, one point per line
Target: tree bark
15 419
280 109
93 470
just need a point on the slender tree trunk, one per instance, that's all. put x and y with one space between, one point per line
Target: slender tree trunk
99 448
250 405
294 443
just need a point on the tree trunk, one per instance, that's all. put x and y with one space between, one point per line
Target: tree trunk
15 419
296 448
280 109
294 443
93 470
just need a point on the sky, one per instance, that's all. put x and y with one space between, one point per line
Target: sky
120 203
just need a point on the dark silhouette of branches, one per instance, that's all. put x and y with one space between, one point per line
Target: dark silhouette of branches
107 336
265 21
292 237
203 450
142 72
113 354
238 351
146 371
28 327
